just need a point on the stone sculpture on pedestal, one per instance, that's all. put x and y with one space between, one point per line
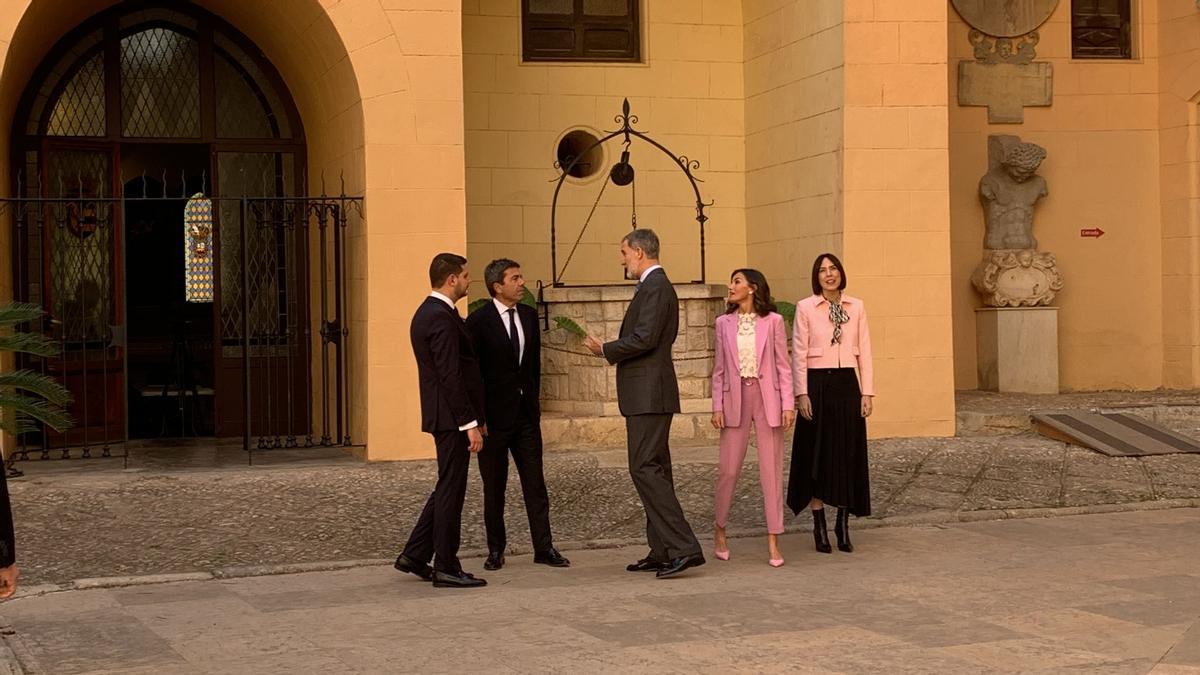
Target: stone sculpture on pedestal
1013 273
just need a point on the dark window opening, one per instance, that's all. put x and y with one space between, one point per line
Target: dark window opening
580 30
581 144
1101 29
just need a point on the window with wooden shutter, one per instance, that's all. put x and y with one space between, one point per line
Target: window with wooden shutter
1101 29
580 30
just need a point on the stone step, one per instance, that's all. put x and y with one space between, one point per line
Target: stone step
1181 418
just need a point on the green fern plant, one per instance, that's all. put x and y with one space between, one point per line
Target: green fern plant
26 397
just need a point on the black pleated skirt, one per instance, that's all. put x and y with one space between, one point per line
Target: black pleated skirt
829 453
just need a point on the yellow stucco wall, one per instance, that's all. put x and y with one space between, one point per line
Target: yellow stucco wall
794 109
897 206
1103 170
1179 154
687 94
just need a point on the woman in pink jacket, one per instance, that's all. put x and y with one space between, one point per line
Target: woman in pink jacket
835 388
751 382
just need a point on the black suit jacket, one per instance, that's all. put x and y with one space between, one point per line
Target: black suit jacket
646 382
8 546
451 389
507 386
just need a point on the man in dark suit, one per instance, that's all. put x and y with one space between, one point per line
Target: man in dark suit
8 547
648 396
451 409
509 345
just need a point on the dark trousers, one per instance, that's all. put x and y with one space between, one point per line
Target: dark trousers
524 441
438 529
667 530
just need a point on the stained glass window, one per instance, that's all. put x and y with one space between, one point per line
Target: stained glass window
198 249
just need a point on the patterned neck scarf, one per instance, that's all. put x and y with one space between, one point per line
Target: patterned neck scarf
838 315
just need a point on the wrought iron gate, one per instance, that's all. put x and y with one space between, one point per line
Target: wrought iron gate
278 287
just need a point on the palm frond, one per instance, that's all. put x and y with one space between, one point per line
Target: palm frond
529 299
786 309
13 313
29 343
37 384
569 325
20 410
475 305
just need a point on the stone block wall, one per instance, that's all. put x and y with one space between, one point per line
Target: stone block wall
577 384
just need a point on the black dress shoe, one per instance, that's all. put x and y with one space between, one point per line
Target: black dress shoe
456 580
495 561
678 565
645 565
552 558
407 564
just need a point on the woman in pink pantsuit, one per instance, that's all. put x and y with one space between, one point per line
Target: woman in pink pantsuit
751 383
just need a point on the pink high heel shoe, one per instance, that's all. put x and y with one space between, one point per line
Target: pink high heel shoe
775 562
721 555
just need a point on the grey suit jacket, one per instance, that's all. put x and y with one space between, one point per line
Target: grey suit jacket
646 382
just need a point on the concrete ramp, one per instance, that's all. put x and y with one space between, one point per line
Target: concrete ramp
1114 434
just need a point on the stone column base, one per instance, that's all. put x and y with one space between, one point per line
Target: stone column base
1017 349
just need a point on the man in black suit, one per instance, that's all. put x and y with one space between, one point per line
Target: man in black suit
451 409
8 547
648 396
509 345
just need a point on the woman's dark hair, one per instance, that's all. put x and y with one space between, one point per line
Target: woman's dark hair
816 273
762 292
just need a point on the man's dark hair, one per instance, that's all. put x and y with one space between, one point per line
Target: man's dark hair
762 292
443 265
645 239
494 273
816 272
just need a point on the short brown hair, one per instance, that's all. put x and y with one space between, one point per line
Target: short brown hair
443 265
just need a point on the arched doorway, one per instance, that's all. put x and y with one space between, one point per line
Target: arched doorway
159 162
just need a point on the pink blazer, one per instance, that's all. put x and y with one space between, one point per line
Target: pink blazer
774 371
812 342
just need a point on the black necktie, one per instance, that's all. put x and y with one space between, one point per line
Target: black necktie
512 333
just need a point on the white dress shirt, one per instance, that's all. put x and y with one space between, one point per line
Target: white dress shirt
516 317
646 272
434 294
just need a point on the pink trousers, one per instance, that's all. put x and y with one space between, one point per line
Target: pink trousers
734 442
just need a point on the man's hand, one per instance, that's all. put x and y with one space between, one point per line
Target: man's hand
718 420
594 346
8 581
804 405
475 437
789 418
868 405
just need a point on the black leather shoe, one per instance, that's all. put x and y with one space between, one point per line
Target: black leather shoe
841 528
407 564
495 561
552 558
680 564
645 565
821 532
459 580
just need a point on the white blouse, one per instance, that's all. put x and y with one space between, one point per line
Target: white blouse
746 343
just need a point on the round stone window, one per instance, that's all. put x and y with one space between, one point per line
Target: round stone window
580 143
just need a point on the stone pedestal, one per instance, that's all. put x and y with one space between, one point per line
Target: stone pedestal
574 381
1017 349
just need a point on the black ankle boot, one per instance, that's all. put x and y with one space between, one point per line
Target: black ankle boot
841 529
821 532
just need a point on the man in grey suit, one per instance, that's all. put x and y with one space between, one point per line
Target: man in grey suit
648 396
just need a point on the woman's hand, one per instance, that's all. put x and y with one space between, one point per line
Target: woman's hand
868 405
789 418
718 420
804 405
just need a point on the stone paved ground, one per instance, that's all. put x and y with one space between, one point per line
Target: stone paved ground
1110 593
82 520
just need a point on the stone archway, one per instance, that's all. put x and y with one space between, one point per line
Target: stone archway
380 93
